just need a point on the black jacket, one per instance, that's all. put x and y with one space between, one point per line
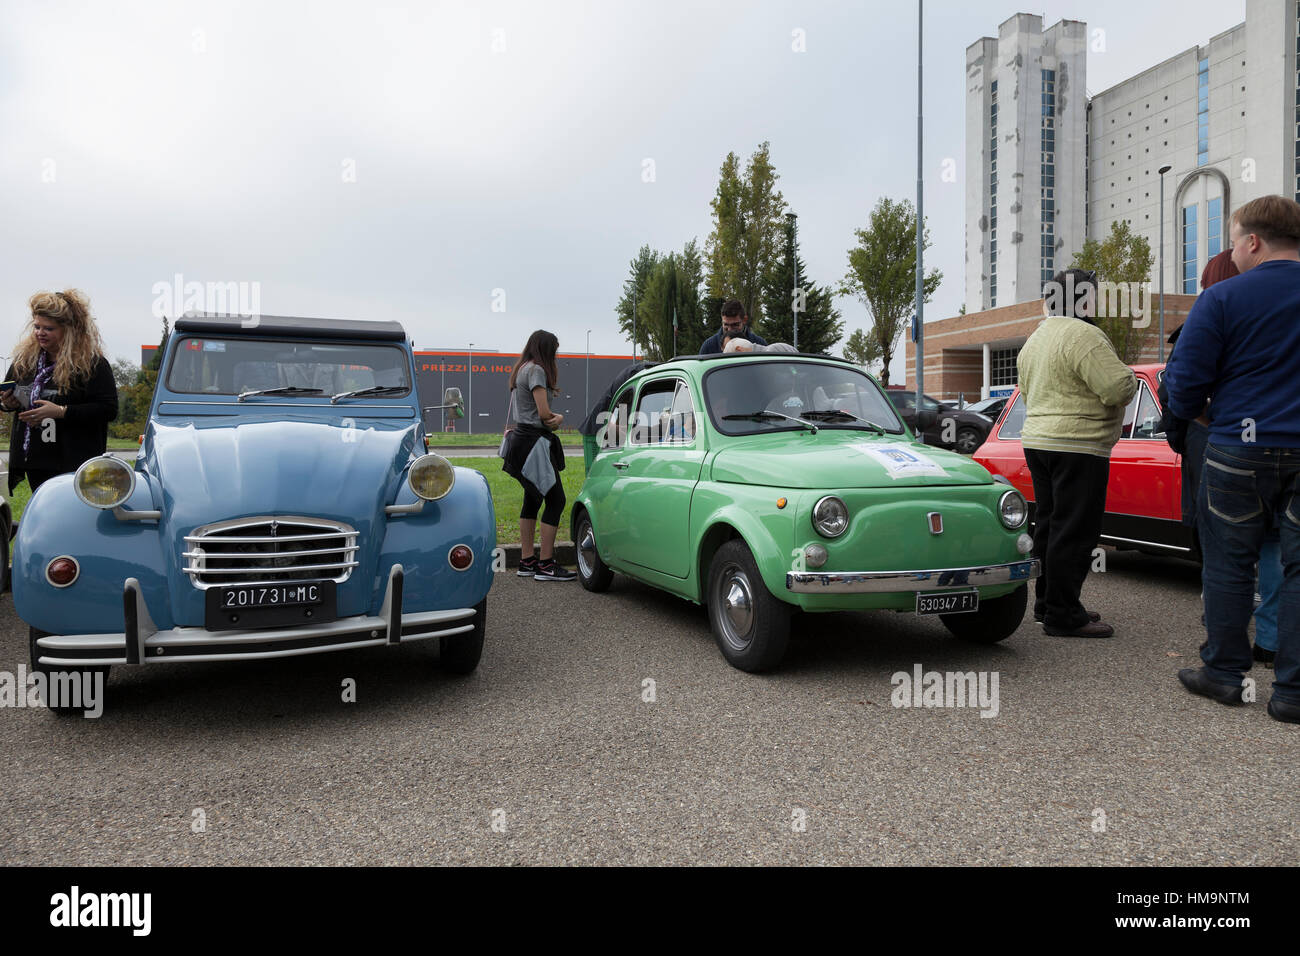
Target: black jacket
80 435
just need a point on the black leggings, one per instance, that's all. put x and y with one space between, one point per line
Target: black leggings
533 501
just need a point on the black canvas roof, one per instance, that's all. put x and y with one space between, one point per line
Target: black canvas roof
293 325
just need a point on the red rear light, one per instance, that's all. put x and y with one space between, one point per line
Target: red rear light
62 571
460 557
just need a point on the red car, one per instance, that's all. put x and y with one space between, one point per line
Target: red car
1144 498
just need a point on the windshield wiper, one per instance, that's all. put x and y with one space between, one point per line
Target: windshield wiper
282 390
767 416
839 412
372 390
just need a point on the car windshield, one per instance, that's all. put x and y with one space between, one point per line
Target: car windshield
225 366
832 396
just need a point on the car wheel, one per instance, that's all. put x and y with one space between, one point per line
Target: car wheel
996 620
594 574
968 441
751 626
460 653
61 709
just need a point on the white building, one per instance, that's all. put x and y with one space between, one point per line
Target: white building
1047 166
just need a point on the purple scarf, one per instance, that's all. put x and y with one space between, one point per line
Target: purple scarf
44 369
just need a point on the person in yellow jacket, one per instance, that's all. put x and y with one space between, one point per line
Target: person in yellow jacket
1075 389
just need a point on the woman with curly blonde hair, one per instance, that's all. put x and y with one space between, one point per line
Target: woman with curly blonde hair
61 388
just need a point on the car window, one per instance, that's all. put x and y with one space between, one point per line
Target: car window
1147 422
1130 415
753 390
929 404
681 417
616 427
1014 422
903 400
653 412
229 366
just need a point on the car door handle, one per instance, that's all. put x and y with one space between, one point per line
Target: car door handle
620 465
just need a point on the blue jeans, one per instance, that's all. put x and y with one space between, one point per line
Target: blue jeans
1245 493
1270 592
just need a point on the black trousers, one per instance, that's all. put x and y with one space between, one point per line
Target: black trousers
1069 501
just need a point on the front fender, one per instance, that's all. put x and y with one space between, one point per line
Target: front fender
56 522
420 543
751 510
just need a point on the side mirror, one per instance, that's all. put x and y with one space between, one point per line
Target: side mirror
451 398
926 419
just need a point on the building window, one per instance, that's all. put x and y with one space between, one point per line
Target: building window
1002 367
1214 228
1203 112
1047 247
1189 250
993 194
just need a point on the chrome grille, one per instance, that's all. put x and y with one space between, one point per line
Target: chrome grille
270 550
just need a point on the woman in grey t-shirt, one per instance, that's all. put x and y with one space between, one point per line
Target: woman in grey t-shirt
534 456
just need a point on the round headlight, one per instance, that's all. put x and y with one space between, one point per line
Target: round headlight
431 477
104 482
1012 509
830 516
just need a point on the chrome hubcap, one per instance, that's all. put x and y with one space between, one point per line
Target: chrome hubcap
737 606
586 548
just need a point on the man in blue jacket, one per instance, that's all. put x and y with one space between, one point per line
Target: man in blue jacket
1240 347
735 324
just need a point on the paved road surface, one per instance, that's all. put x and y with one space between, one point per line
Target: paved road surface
553 736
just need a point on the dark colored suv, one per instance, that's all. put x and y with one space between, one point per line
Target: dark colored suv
962 431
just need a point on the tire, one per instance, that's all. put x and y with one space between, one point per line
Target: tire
33 634
968 441
460 653
594 574
751 626
996 620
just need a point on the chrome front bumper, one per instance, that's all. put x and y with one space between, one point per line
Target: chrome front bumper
888 582
144 643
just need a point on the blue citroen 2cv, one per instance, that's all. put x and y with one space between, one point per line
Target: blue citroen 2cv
282 503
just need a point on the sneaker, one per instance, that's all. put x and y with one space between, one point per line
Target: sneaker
551 571
527 567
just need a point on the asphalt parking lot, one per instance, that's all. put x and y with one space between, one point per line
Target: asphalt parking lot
551 754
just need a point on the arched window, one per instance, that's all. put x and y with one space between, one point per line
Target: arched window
1201 215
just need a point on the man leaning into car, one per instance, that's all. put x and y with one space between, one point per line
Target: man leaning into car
1240 346
735 324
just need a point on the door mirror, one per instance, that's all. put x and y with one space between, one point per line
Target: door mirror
926 419
451 399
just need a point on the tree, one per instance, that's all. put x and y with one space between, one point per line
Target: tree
125 372
639 271
133 400
882 274
862 349
820 323
748 223
1123 265
672 292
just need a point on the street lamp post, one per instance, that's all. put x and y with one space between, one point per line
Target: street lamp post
471 389
794 256
1162 171
920 217
586 392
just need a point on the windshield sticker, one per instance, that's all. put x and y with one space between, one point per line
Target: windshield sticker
214 346
900 462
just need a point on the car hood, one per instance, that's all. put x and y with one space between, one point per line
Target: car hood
842 459
213 471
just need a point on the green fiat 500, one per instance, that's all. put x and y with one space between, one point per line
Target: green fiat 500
760 483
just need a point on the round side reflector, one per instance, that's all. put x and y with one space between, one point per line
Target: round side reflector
460 557
62 571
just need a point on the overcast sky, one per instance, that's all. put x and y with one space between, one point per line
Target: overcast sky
403 162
